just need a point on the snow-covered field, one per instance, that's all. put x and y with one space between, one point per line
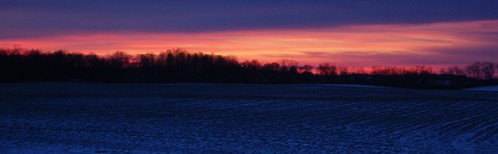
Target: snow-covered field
220 118
485 88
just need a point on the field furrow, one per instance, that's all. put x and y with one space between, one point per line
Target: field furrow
245 118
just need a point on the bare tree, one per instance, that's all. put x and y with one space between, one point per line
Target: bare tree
147 60
327 69
387 71
474 70
253 64
119 59
453 70
288 65
481 70
305 68
419 70
343 70
488 70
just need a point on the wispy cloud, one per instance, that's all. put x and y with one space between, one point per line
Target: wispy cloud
359 45
35 18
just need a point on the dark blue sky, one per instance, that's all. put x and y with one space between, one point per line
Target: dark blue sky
34 18
349 32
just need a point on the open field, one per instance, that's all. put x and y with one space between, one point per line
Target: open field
218 118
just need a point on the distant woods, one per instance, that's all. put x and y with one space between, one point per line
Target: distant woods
21 65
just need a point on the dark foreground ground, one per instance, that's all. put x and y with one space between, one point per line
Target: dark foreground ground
219 118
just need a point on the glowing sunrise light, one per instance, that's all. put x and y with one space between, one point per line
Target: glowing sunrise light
353 45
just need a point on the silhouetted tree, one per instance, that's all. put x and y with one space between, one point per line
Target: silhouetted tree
147 60
421 70
481 70
177 65
488 70
453 70
305 68
119 59
474 70
327 69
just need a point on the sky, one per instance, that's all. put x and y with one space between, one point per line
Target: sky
346 32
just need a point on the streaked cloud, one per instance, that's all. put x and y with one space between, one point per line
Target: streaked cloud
36 18
442 43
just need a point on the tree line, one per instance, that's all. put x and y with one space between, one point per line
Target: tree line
177 65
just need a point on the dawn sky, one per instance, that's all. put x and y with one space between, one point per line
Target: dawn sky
353 33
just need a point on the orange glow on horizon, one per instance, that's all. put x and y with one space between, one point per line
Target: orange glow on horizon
353 45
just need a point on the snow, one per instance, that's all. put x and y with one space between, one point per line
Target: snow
241 118
485 88
358 86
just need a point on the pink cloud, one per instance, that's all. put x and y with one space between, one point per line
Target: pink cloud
356 45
